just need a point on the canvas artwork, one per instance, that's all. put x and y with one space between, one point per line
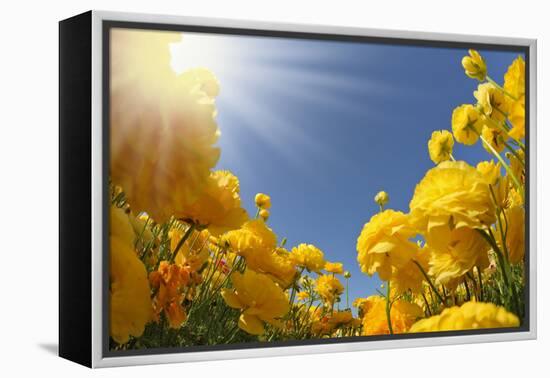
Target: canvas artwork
272 190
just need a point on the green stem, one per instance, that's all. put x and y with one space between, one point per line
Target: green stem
504 267
427 305
388 308
467 290
513 152
182 240
347 292
480 284
430 283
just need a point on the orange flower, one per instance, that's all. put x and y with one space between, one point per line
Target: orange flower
170 280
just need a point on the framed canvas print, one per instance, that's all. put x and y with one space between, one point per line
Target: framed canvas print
235 189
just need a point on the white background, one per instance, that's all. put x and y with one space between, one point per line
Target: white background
29 189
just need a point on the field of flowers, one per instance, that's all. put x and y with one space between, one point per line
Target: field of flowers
189 266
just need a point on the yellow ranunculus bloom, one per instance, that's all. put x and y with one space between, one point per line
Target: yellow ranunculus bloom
409 276
457 253
327 324
308 256
514 83
489 170
467 124
494 137
517 117
130 302
451 195
474 65
515 233
194 251
339 318
384 243
381 198
514 78
263 201
302 295
334 267
503 192
471 315
329 288
218 207
492 101
163 127
253 235
516 165
440 146
264 214
258 245
403 314
361 304
258 297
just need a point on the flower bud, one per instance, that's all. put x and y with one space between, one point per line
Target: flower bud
263 201
474 66
264 214
381 198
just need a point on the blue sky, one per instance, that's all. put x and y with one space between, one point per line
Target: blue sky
323 126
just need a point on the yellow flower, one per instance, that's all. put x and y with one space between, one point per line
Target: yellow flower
218 207
514 217
258 297
340 318
403 314
120 225
518 169
474 66
440 146
264 214
506 195
494 138
359 303
130 302
514 78
263 201
329 288
471 315
334 267
194 251
384 243
489 170
517 117
467 124
308 256
409 276
163 127
492 102
253 235
381 198
258 245
302 296
454 257
451 195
